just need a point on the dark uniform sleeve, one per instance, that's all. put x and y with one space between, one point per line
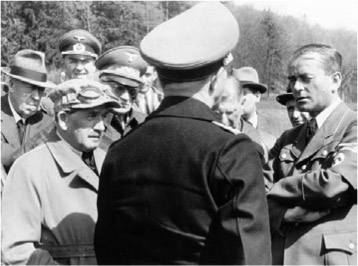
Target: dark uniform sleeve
239 233
105 243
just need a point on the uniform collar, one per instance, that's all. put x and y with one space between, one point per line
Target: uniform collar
185 107
322 116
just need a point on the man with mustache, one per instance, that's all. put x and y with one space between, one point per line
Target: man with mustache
121 68
23 125
49 197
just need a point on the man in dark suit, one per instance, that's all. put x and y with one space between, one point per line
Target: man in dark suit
23 126
312 168
182 188
121 68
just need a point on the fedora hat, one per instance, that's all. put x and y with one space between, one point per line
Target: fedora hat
29 66
249 78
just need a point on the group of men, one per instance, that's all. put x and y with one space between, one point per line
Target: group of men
186 175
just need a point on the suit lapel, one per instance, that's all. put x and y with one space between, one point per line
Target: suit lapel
71 162
8 125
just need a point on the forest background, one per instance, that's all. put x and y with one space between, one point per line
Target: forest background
266 39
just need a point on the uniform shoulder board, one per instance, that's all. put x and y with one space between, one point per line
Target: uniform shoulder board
227 128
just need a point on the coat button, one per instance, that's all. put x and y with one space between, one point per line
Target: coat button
351 245
283 155
303 167
324 153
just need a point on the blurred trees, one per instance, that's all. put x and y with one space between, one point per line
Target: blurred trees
267 40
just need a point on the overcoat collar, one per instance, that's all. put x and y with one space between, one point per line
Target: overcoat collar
176 106
70 162
323 136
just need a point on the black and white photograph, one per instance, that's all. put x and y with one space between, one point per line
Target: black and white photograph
179 132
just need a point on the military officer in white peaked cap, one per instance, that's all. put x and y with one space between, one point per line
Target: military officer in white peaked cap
181 188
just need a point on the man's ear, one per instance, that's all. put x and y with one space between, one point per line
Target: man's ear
62 118
336 80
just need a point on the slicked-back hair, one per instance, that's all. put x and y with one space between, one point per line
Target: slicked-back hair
330 57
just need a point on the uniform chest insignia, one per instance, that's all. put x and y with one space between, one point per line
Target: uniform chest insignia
227 128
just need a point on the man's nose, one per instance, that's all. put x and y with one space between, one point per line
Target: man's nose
296 114
100 125
36 94
297 86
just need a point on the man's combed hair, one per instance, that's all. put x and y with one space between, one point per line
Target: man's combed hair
331 58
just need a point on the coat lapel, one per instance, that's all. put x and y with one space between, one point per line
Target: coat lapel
71 162
8 125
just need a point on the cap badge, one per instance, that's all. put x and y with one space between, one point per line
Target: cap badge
79 47
131 57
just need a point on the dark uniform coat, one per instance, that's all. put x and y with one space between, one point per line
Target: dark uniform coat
49 207
319 176
38 127
115 131
181 189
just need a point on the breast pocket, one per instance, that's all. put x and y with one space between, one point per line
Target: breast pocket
340 249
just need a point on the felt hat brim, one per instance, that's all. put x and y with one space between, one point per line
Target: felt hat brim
47 84
254 86
284 98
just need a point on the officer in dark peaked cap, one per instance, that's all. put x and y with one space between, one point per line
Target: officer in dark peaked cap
181 188
296 116
79 50
121 68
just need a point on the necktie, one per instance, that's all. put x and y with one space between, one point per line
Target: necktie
22 128
311 129
88 159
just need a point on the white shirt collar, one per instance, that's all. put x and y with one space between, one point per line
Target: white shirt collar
322 116
253 120
16 116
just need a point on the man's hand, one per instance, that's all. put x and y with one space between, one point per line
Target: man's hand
301 215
